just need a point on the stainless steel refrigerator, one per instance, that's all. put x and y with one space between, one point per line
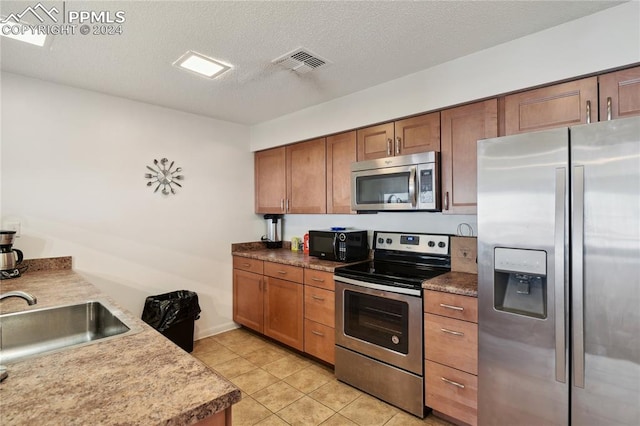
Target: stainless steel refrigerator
559 276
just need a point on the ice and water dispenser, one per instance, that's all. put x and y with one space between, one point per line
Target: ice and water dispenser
520 282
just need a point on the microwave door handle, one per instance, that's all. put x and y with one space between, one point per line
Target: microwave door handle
335 246
412 186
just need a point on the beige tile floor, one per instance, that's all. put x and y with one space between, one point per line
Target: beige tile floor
281 387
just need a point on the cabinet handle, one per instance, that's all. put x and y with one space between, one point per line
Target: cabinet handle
260 285
287 210
389 147
446 200
246 265
398 142
609 108
455 333
320 280
282 272
317 333
588 112
455 308
282 204
317 297
451 382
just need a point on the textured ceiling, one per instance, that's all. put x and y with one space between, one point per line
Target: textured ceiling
368 42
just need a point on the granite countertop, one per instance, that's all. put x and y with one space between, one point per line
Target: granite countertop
454 282
285 256
139 379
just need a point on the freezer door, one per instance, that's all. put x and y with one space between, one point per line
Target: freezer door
605 171
522 274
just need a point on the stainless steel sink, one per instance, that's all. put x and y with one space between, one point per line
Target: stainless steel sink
34 332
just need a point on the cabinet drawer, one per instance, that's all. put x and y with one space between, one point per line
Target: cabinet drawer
286 272
451 391
320 279
246 264
451 305
451 342
319 305
319 341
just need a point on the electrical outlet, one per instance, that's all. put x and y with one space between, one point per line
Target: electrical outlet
13 226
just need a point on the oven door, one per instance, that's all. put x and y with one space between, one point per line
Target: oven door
381 324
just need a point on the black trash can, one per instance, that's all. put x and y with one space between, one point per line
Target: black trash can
173 314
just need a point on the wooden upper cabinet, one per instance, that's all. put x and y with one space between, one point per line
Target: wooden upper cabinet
306 177
560 105
417 134
402 137
620 94
341 152
461 128
270 180
375 142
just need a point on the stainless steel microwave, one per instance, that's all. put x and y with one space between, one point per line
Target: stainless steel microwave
406 182
342 245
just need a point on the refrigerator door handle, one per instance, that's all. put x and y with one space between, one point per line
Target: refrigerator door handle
560 272
577 255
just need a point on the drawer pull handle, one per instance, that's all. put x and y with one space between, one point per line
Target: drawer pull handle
246 265
282 272
455 333
317 298
451 382
320 280
455 308
317 333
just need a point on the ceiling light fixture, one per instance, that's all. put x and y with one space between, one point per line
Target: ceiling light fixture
22 32
201 65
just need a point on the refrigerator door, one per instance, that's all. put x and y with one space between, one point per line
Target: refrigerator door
606 273
522 275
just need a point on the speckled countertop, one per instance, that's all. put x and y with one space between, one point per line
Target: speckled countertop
140 379
454 282
284 256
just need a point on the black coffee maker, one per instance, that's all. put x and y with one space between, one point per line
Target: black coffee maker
10 258
273 239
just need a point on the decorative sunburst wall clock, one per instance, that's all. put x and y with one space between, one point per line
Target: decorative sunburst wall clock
163 176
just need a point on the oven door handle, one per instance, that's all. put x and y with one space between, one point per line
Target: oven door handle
381 287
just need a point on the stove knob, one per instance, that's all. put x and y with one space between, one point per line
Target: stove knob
389 241
380 240
432 244
441 244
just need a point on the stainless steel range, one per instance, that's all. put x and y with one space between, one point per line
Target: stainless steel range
379 327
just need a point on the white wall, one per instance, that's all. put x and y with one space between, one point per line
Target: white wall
73 165
601 41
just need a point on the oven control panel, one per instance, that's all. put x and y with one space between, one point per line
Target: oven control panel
411 242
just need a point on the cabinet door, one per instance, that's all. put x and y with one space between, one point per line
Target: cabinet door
341 152
248 299
560 105
375 142
283 320
306 177
417 134
620 94
461 128
270 180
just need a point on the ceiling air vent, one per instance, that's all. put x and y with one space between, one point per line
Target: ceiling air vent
301 61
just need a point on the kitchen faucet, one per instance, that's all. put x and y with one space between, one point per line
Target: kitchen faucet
31 300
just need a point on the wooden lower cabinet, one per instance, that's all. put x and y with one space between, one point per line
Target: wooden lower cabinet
293 305
319 341
248 299
283 312
451 392
319 314
451 355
